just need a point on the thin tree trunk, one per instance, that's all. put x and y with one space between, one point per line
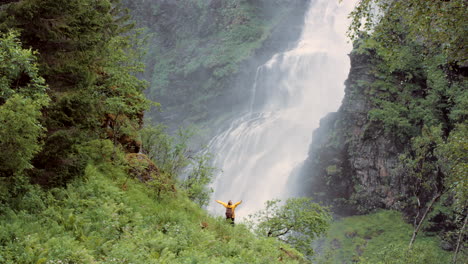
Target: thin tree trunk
418 227
460 238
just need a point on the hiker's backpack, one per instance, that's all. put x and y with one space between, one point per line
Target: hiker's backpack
228 212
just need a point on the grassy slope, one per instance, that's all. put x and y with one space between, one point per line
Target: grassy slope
380 237
95 221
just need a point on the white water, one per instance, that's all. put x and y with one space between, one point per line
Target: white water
291 93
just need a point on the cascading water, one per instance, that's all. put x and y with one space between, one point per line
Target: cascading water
292 91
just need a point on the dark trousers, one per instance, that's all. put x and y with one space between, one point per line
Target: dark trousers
231 220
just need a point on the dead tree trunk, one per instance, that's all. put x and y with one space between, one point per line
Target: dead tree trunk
418 226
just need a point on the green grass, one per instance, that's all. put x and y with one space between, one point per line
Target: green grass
96 221
381 237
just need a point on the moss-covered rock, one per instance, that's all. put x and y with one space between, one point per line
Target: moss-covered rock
141 167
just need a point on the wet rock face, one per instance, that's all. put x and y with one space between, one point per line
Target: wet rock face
351 163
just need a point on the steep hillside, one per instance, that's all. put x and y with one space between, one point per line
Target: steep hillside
107 218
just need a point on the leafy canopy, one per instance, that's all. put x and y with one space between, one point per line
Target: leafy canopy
22 97
437 23
298 222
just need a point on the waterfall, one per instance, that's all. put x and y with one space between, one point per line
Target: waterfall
292 91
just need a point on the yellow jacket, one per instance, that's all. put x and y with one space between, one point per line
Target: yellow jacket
232 206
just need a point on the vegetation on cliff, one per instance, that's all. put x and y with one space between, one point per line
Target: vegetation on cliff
398 139
197 47
420 99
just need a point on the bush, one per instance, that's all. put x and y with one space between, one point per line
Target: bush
198 179
298 222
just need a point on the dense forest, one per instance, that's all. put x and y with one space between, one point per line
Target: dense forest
92 93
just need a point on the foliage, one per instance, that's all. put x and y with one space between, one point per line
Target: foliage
94 221
173 157
422 164
20 132
19 70
440 24
197 46
298 222
85 53
418 100
380 237
87 56
171 154
198 179
98 152
22 97
417 79
454 162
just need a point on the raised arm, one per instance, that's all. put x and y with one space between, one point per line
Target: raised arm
224 204
239 202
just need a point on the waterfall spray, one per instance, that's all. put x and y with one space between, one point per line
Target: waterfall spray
292 91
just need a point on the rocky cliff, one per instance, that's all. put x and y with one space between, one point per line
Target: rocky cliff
399 140
359 163
350 161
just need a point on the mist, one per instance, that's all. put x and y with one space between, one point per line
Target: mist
291 92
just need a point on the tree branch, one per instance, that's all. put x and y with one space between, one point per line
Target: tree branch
428 209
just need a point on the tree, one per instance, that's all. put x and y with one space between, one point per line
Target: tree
174 158
119 123
297 222
440 24
22 97
86 55
198 179
423 169
421 95
454 162
170 153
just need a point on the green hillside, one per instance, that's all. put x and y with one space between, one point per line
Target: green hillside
106 218
380 237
